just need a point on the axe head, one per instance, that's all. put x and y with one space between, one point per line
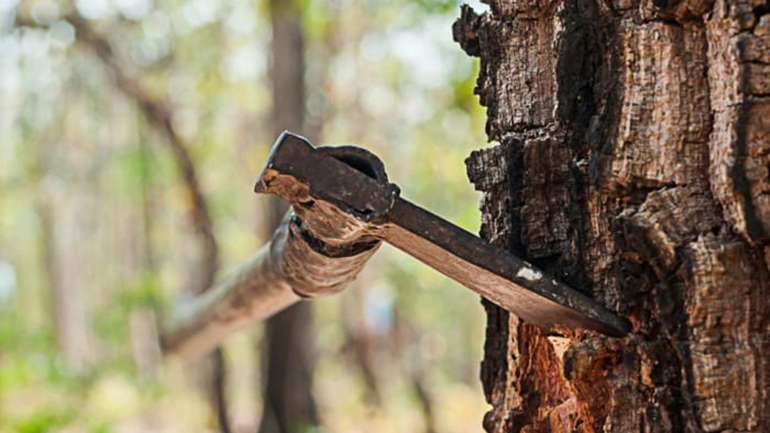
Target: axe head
351 197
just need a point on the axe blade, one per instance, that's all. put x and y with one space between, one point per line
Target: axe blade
352 181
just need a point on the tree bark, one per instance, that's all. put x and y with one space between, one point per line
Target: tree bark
632 160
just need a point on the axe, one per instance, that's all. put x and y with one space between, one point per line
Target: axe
343 208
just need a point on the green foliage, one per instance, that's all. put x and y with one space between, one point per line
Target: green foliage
438 6
44 421
133 169
383 75
463 95
100 428
317 19
144 293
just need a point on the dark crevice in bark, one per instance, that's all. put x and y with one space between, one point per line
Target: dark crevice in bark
754 228
494 364
684 407
672 375
576 70
760 320
578 62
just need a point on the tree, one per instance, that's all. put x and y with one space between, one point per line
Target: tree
632 163
158 115
68 305
288 344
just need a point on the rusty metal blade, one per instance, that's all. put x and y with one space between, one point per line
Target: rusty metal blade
495 274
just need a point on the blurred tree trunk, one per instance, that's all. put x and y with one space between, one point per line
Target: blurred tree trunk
61 267
288 342
415 365
157 113
632 162
142 325
73 335
362 343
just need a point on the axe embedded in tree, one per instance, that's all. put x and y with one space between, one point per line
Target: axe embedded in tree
343 207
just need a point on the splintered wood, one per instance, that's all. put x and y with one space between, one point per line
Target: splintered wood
632 157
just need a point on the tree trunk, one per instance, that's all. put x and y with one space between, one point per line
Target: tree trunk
142 321
288 344
68 307
632 163
61 262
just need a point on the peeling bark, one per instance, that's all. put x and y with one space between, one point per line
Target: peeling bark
632 159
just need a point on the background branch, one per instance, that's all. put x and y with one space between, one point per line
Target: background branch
157 114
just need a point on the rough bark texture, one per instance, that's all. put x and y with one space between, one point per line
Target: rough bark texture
632 161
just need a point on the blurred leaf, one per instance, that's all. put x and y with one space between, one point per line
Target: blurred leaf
100 428
437 6
44 421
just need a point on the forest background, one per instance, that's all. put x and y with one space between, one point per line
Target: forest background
95 239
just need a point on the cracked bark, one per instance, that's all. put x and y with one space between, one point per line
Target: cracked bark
632 159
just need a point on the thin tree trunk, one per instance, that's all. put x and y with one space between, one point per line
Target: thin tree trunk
288 357
144 337
143 331
632 162
67 303
414 366
361 344
148 251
